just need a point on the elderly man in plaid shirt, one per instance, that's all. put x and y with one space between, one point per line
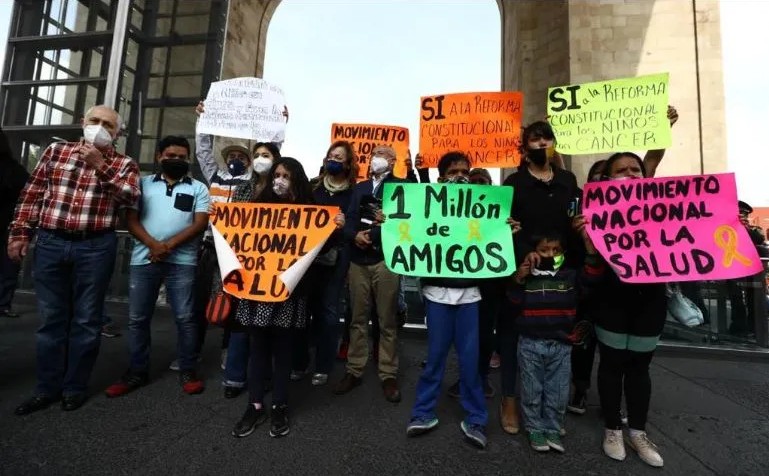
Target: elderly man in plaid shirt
72 199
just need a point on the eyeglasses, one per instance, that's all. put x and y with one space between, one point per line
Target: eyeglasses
175 156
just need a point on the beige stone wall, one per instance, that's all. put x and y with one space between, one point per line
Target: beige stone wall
244 47
556 42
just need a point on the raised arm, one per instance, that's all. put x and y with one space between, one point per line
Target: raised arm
653 158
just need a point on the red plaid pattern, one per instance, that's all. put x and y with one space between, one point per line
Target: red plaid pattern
65 193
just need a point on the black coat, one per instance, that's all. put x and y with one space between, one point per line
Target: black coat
13 177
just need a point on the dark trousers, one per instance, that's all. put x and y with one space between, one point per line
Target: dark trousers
270 349
628 370
508 354
9 274
582 358
204 279
492 294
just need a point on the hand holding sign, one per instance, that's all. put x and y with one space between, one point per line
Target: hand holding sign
447 230
670 229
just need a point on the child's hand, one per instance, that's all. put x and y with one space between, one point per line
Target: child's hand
524 269
515 225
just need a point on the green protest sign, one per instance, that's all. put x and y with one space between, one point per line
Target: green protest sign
447 230
607 116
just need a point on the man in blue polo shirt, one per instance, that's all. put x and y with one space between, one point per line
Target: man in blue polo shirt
171 217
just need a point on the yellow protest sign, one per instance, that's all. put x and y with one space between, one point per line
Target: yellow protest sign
264 249
611 116
365 137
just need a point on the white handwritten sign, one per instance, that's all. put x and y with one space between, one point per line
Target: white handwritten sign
245 108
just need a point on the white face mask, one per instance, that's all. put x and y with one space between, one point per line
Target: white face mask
379 164
262 165
97 135
280 186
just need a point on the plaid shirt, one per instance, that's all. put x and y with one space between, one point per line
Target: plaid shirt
65 193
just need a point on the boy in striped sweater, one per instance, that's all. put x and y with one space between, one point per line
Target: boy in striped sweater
546 294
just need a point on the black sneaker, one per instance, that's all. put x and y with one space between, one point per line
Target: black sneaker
249 421
279 417
578 403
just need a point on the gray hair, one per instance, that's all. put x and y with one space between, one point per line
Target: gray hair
119 119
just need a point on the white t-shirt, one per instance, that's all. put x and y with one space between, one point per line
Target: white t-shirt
452 296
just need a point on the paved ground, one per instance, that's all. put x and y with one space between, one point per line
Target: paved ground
708 417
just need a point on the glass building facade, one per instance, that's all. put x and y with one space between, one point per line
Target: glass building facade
153 60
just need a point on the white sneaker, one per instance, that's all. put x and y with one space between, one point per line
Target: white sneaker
319 379
297 375
646 450
613 446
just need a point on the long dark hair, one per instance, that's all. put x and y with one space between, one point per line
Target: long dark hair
271 146
616 156
299 187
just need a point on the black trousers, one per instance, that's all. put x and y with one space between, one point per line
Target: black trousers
629 371
204 279
492 299
269 353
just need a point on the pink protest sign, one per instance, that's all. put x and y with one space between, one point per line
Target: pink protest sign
670 229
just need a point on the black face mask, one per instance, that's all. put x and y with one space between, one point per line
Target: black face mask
174 168
546 263
537 156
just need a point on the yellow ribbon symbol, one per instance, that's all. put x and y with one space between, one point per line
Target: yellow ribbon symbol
729 245
475 230
403 229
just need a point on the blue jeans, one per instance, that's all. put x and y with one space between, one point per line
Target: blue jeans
236 365
447 324
71 279
145 281
545 372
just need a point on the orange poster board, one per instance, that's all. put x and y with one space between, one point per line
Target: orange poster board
365 137
485 126
264 249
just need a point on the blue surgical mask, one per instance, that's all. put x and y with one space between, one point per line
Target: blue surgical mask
334 168
236 167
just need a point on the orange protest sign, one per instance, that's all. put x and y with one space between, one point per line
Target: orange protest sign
264 249
365 137
485 126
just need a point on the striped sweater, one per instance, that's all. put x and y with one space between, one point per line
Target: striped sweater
546 306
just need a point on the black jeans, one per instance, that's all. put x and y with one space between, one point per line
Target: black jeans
9 275
628 370
492 296
204 278
270 352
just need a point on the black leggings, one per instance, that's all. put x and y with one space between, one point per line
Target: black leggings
582 358
628 369
269 346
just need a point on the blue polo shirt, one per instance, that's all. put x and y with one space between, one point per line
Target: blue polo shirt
165 210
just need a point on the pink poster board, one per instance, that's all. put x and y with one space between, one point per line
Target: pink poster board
670 229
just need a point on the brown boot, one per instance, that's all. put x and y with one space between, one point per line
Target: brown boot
390 390
508 415
348 382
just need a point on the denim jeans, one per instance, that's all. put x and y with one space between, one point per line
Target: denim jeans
236 365
71 279
9 274
545 367
446 325
144 284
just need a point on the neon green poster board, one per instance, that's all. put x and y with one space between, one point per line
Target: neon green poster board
611 116
452 231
